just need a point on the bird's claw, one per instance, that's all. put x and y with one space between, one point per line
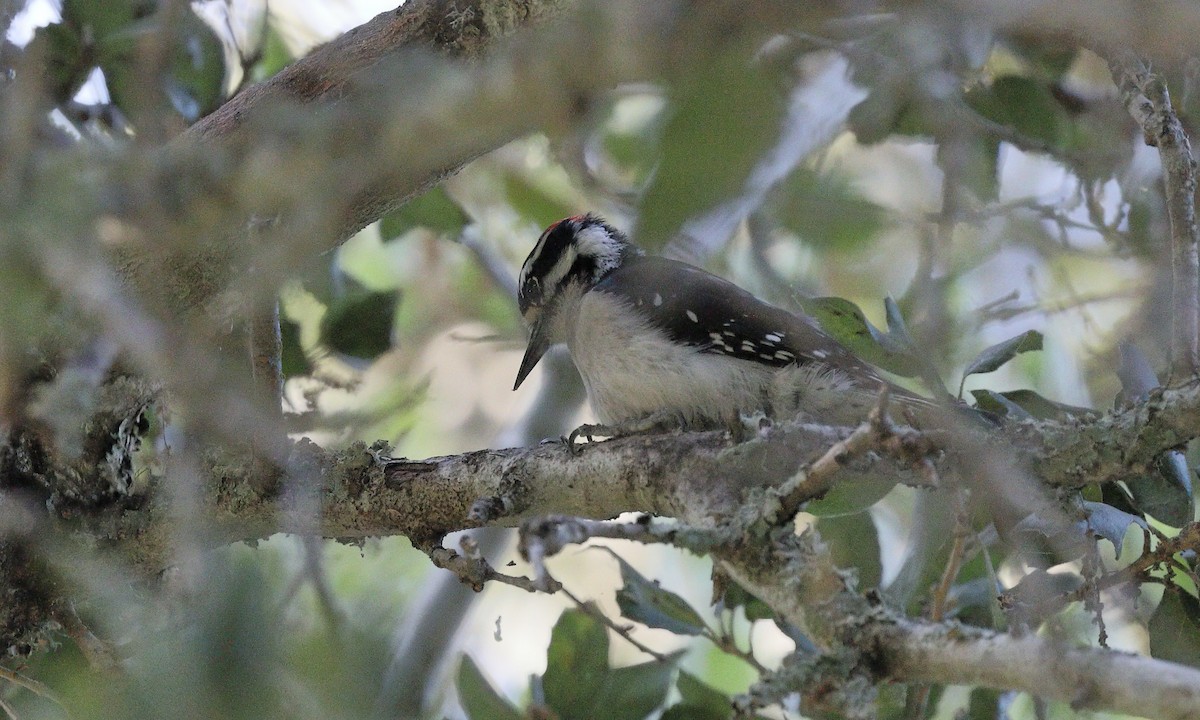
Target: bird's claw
748 426
585 431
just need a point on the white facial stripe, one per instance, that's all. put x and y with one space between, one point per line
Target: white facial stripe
561 268
594 241
534 254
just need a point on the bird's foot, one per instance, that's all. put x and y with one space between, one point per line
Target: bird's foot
655 422
588 432
748 426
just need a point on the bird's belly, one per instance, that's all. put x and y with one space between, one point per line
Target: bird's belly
632 371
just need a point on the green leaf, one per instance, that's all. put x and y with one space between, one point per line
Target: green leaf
1175 628
854 543
435 210
1024 104
995 356
275 55
848 325
1111 524
687 711
292 357
998 404
722 118
826 211
1026 404
886 111
360 324
1166 491
540 205
697 694
928 548
195 84
632 153
898 334
479 699
635 691
851 494
733 596
1044 408
645 602
579 685
977 166
66 63
897 328
984 705
1050 59
102 18
1116 495
576 665
1045 542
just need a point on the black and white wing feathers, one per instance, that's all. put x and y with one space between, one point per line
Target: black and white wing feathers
697 308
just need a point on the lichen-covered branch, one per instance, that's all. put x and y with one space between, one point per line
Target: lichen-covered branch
1106 447
694 474
796 576
706 482
1084 677
1146 96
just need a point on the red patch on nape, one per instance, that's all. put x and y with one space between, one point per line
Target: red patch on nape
550 228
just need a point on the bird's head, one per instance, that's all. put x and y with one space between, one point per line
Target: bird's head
570 257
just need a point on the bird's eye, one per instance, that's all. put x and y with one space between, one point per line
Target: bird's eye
530 294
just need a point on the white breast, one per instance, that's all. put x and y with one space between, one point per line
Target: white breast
631 370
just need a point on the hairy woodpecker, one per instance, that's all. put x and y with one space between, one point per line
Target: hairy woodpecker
656 338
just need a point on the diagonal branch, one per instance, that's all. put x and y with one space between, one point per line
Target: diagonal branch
329 72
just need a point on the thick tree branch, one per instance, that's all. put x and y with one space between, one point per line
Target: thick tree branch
703 481
795 575
1107 447
391 118
664 475
1085 677
329 72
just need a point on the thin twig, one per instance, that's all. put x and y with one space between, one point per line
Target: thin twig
919 701
544 537
475 571
877 433
34 686
99 654
1136 572
314 570
589 608
962 534
1145 95
815 479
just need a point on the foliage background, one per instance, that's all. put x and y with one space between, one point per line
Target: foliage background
992 185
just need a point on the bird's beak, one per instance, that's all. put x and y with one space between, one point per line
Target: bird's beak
539 343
